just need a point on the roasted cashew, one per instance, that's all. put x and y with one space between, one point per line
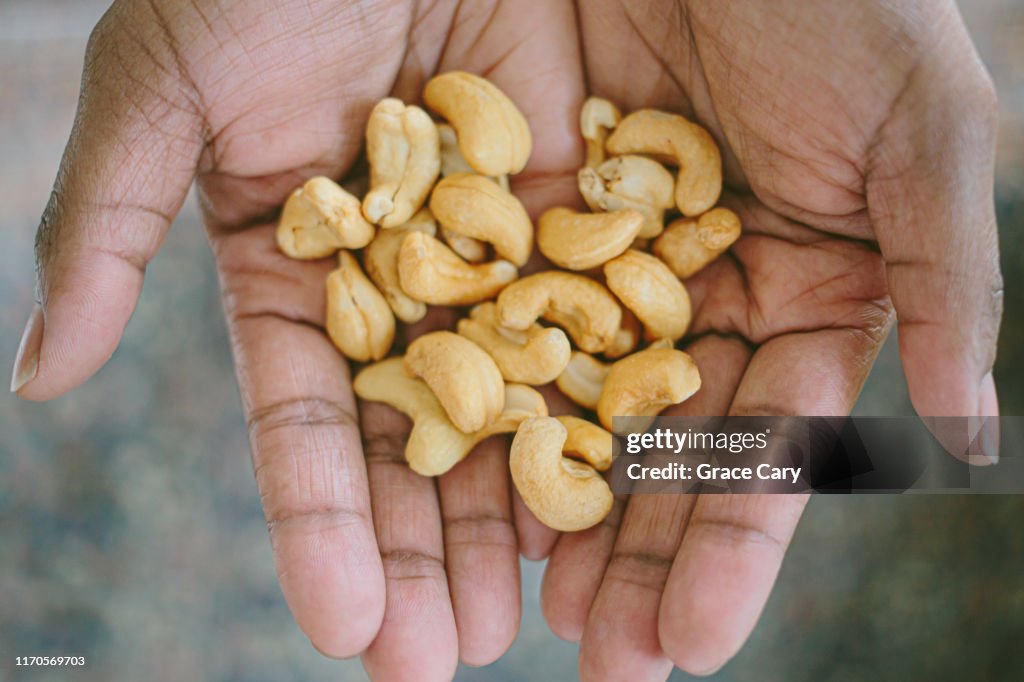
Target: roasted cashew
452 161
381 261
434 444
645 383
319 218
521 403
588 441
405 159
647 287
582 379
493 135
687 245
475 206
429 271
597 117
580 241
630 182
359 320
565 494
462 375
469 249
627 338
534 356
585 309
673 139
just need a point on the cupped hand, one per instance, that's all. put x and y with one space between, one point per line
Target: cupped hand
858 141
858 148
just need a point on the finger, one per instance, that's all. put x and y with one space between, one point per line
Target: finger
734 544
305 443
482 557
620 639
930 194
418 639
125 173
535 539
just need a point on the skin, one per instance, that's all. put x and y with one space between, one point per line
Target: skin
858 144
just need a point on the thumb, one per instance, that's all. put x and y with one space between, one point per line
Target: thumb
930 194
125 173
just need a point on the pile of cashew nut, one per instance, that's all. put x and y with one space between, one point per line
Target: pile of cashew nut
439 226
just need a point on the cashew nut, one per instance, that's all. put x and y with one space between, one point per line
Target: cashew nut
429 271
597 117
521 403
579 305
627 338
381 261
565 494
673 139
452 161
319 218
434 444
493 135
687 245
359 320
582 378
588 441
477 207
534 356
405 158
462 376
469 249
630 182
647 287
579 241
645 383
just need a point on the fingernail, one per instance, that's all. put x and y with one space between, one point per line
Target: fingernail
26 365
988 408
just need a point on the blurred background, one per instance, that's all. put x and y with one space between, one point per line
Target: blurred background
130 526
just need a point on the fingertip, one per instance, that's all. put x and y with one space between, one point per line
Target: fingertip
333 582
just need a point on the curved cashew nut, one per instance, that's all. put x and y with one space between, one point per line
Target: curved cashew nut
359 320
493 135
688 245
597 117
434 444
534 356
563 493
381 261
475 206
580 241
405 158
451 158
469 249
645 383
582 379
588 441
429 271
585 309
673 138
521 403
319 218
647 287
627 338
462 376
630 182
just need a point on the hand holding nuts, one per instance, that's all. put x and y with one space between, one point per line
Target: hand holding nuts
459 389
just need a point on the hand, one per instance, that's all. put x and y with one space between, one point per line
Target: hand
859 142
252 99
249 99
